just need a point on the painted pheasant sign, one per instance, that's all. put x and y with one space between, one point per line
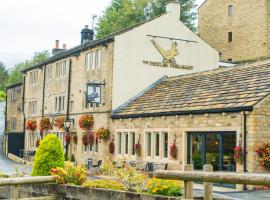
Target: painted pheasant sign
168 57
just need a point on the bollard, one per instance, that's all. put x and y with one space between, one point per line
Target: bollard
188 185
208 187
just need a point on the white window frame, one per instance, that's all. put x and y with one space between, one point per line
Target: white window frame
147 155
91 148
230 10
33 77
119 146
155 134
59 104
32 108
93 59
48 72
61 69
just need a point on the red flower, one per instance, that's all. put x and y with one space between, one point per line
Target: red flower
86 122
85 139
31 125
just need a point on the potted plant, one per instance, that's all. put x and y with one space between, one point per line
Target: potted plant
263 153
238 154
86 122
111 146
31 125
173 150
103 133
45 124
85 139
68 137
138 148
59 122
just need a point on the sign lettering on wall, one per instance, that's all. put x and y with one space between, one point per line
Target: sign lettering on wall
168 57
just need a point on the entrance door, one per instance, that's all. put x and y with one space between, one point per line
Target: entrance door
215 148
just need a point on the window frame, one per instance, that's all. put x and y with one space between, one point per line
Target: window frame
230 10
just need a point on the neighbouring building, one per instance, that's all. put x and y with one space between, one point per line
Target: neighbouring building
238 29
204 114
14 122
98 76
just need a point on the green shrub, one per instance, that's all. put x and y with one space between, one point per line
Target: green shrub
49 155
164 187
105 184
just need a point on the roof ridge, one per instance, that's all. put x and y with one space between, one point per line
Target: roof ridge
236 67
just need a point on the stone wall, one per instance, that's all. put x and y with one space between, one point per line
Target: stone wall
64 192
178 127
249 25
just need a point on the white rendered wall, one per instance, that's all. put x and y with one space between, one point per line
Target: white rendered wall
131 75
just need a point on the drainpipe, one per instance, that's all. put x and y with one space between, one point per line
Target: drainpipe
6 111
68 101
23 109
245 145
43 93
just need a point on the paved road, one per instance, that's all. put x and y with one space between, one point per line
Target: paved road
6 165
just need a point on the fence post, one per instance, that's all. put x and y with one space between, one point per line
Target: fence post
14 192
207 186
188 185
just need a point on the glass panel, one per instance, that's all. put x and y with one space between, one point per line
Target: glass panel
148 144
196 151
132 143
229 141
126 143
157 144
165 145
119 143
212 150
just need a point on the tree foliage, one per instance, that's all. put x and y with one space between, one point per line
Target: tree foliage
49 155
121 14
3 76
15 74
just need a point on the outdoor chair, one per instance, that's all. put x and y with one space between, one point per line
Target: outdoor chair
88 163
95 164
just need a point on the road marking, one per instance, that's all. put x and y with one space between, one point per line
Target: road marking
227 197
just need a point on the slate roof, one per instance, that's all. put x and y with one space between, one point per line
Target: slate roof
235 89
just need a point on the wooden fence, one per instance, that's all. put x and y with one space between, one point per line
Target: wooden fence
208 177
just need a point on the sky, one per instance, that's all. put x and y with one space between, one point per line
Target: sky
29 26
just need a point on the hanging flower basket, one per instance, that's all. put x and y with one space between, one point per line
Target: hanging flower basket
103 133
85 139
138 149
59 122
37 142
173 150
75 139
86 122
111 146
45 124
263 153
238 154
68 138
31 125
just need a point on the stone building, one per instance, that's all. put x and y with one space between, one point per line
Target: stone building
238 29
14 114
115 68
204 114
13 140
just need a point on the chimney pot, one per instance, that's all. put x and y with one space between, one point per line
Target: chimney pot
64 46
86 26
57 44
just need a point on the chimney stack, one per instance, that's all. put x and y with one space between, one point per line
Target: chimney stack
86 34
56 49
56 44
173 8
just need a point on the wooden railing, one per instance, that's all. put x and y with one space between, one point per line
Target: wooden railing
208 177
15 182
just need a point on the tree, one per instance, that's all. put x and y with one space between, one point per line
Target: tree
121 14
3 77
15 74
49 155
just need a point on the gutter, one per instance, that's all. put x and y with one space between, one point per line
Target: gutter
69 83
192 112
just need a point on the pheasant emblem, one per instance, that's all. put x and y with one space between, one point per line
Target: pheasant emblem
168 55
